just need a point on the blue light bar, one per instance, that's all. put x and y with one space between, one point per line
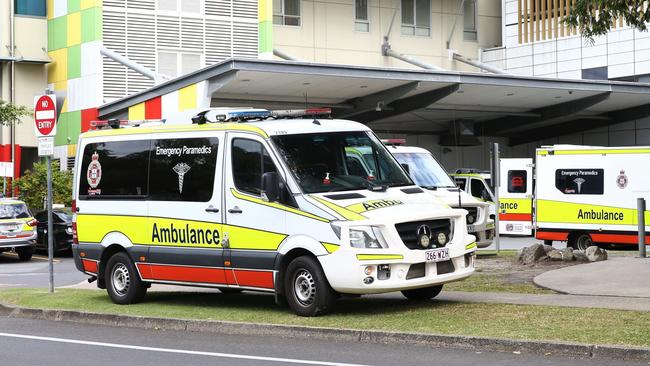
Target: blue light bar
244 115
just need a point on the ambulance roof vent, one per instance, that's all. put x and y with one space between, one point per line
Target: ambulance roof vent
217 115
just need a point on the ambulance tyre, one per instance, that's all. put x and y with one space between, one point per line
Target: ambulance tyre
424 293
580 241
306 288
123 283
25 253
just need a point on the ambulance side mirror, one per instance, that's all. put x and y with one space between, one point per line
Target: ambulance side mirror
270 186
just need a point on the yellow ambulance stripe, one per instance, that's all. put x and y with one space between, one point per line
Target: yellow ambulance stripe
240 127
375 257
276 205
516 205
139 230
579 213
347 214
593 152
331 248
470 246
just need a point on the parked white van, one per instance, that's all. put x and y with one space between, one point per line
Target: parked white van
264 203
426 172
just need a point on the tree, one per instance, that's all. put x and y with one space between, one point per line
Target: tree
595 17
33 185
10 112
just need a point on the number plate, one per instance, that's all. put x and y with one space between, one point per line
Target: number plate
437 255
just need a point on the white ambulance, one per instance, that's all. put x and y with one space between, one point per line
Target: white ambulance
426 172
249 200
478 184
587 194
516 196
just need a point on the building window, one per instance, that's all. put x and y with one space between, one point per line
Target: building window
184 6
172 64
286 12
469 20
416 17
361 19
596 73
35 8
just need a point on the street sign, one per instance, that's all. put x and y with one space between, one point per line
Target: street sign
45 115
46 146
6 169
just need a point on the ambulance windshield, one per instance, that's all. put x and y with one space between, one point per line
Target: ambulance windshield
340 161
424 170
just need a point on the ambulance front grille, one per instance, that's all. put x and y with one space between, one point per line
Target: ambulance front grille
408 232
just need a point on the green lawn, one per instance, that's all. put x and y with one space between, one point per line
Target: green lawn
495 282
494 320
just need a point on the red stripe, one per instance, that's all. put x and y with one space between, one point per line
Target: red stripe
145 270
15 236
617 238
515 217
551 235
153 108
89 265
187 274
262 279
230 276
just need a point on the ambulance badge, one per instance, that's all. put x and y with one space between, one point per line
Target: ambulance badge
621 180
94 172
181 169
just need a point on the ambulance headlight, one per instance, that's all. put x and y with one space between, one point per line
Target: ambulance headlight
470 219
367 237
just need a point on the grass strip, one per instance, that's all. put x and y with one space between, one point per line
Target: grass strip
495 282
598 326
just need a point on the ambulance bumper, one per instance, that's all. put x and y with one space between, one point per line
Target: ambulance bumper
484 234
349 275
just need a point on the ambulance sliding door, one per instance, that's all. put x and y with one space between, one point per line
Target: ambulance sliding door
516 197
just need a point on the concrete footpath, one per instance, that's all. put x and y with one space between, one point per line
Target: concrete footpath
626 277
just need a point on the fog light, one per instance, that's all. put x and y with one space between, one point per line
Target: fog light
470 219
368 270
442 238
368 280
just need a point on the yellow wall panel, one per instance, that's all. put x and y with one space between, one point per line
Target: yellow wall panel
187 98
72 150
58 69
85 4
74 29
136 112
49 6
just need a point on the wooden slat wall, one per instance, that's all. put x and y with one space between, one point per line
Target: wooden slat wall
540 20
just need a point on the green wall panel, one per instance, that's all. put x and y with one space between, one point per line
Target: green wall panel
74 62
91 25
57 33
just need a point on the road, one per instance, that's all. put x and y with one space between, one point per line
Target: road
69 344
14 273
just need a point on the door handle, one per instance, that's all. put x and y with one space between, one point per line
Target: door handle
235 210
211 209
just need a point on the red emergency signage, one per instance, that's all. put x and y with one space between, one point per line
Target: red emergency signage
45 115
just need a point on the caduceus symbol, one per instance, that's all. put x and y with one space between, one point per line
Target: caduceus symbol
578 182
181 169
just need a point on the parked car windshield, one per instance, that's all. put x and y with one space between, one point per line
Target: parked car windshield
425 170
14 211
339 161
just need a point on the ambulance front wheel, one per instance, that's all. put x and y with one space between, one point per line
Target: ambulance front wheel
580 241
306 288
425 293
123 283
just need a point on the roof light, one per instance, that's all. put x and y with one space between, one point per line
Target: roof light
243 115
393 142
298 113
117 123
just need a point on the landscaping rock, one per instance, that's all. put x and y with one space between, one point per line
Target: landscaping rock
595 254
554 255
532 254
567 254
548 248
580 256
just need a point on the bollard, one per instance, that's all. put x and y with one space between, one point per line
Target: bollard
640 207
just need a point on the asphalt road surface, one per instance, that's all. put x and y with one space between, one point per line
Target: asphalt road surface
34 273
69 344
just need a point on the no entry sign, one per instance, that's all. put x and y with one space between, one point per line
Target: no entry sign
45 115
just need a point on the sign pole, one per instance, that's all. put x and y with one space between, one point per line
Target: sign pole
496 175
45 116
50 231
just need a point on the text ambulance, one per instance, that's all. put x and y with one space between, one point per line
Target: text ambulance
272 205
425 170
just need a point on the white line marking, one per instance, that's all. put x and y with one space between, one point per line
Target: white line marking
181 351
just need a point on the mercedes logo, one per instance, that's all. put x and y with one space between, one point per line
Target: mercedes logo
424 236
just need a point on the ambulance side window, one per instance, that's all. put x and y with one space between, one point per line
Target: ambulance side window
183 169
517 181
249 161
114 170
582 181
478 190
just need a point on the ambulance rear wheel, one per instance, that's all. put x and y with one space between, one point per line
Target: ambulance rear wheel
25 253
425 293
581 241
123 283
306 288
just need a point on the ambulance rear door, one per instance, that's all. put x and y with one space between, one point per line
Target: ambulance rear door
516 197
